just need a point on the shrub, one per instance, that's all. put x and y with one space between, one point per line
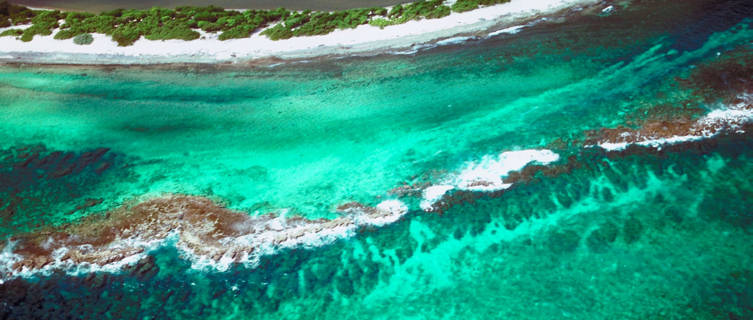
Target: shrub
43 23
30 32
11 33
209 26
396 12
491 2
278 14
380 22
65 34
83 39
237 33
126 35
279 31
438 12
98 24
171 31
464 5
128 25
467 5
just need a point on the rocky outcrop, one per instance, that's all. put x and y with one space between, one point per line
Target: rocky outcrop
209 233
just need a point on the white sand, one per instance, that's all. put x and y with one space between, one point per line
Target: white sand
365 39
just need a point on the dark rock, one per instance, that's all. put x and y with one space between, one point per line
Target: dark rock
102 167
599 239
50 159
563 241
632 230
29 160
64 171
457 234
344 285
96 280
145 267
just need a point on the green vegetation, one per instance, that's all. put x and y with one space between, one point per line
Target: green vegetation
83 39
14 15
468 5
464 5
127 26
11 33
42 24
309 23
418 10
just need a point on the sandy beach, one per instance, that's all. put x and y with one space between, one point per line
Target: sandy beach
363 40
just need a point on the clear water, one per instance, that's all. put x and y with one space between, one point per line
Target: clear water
649 235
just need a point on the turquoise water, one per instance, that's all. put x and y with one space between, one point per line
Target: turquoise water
642 234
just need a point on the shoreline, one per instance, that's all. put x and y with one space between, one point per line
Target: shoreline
97 6
365 40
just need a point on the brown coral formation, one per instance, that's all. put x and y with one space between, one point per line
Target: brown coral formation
203 228
527 174
354 206
722 79
406 189
650 130
530 172
681 126
386 212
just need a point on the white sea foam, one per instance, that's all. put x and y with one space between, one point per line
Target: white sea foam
432 194
654 143
612 146
657 143
454 40
730 117
486 174
8 259
263 236
716 121
510 30
394 209
248 249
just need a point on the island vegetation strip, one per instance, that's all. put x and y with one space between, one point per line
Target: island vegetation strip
126 26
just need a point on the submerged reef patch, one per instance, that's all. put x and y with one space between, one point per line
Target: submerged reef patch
680 129
720 100
33 178
210 235
722 79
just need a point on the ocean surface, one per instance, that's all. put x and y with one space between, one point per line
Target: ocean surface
649 231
